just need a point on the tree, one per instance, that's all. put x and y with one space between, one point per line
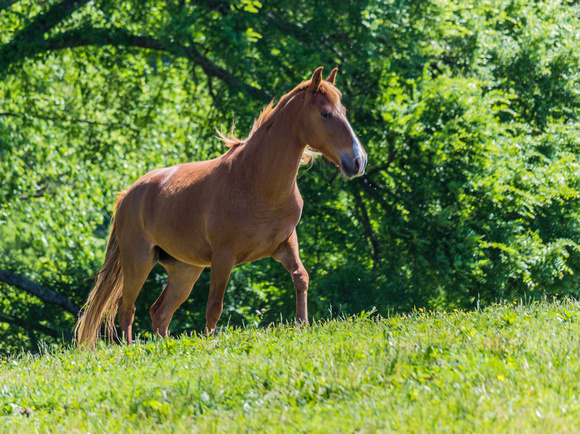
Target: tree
469 112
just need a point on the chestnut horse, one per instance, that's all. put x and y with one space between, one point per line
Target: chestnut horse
237 208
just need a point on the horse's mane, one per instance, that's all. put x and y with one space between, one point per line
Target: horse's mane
269 114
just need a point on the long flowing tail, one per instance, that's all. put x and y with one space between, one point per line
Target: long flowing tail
103 300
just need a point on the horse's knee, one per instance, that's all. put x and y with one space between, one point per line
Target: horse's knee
301 280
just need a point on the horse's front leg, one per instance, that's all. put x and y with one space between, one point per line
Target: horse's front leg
287 254
221 268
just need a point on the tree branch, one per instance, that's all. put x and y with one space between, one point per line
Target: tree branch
28 325
120 37
31 40
62 119
33 288
27 41
369 186
385 166
368 227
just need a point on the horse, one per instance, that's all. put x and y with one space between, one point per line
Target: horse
234 209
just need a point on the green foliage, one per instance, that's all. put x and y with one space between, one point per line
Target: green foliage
468 111
492 370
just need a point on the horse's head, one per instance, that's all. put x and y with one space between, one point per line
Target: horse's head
326 129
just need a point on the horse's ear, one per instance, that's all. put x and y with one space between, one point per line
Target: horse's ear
332 76
316 79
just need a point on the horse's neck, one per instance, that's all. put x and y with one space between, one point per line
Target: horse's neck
271 161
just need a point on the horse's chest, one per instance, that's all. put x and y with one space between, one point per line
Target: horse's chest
269 234
251 229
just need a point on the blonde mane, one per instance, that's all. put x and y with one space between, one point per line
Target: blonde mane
269 114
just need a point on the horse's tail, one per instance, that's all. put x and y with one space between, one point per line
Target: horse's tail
103 300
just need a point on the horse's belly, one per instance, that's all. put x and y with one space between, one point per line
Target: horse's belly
262 244
189 247
190 253
194 240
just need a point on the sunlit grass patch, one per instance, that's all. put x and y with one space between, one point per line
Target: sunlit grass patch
512 366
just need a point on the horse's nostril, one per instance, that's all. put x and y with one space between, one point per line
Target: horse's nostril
352 167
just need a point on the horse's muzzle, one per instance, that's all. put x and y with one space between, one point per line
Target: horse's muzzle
353 167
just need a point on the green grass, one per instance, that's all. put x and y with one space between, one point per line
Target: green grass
506 368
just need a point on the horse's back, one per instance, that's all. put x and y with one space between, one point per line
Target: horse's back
165 207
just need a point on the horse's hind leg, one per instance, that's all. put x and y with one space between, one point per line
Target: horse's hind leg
180 281
137 263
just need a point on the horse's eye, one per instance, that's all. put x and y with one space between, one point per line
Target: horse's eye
326 114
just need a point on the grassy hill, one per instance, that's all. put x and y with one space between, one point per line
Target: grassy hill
506 368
